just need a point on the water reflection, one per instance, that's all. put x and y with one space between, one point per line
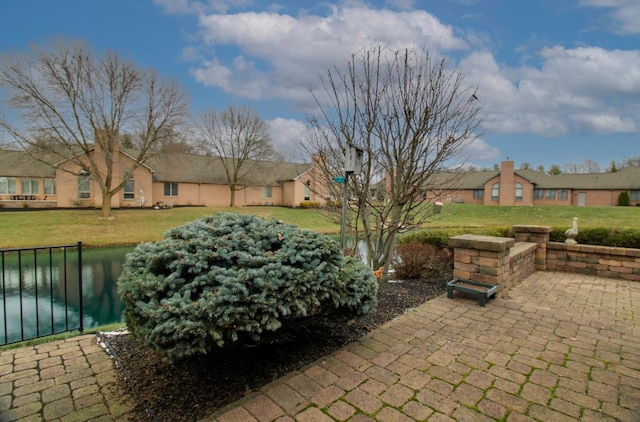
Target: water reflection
43 277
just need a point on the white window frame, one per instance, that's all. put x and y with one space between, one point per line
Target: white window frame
49 186
84 187
129 189
171 189
8 186
267 192
30 186
519 191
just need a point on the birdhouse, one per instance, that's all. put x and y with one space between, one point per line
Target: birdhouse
353 159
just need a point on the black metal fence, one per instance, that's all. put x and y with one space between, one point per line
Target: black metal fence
41 291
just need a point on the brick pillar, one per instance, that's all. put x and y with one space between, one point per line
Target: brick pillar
535 234
484 259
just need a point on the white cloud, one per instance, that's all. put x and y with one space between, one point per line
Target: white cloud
288 137
585 88
198 7
604 123
287 53
273 55
402 4
625 14
593 69
479 150
177 6
212 73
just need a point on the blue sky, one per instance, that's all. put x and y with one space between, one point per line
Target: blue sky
559 81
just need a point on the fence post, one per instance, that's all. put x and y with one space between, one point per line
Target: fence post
80 286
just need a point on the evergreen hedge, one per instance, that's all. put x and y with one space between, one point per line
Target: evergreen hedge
230 278
623 238
440 238
624 199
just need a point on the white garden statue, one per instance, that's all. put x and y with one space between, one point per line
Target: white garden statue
572 233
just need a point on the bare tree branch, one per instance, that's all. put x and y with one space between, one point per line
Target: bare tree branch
412 115
71 104
238 137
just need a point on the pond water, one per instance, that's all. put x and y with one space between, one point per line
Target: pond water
41 281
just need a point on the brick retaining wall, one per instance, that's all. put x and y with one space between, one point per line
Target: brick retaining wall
504 261
605 261
493 260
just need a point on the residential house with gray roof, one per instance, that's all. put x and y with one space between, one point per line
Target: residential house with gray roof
165 179
509 186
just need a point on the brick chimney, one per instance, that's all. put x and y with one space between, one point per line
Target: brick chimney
507 183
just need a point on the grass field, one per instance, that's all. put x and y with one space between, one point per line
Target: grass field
131 226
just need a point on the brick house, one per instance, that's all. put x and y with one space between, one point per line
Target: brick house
509 186
165 178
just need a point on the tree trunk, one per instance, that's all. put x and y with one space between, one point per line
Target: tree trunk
232 188
106 204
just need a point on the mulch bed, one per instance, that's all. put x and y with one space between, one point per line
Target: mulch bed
196 387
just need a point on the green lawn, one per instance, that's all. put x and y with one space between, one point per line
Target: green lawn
468 215
128 226
131 226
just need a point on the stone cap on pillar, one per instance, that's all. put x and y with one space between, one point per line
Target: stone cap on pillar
529 228
485 243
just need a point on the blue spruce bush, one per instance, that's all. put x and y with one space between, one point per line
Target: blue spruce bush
232 277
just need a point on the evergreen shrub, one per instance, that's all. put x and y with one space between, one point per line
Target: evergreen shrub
624 199
440 238
602 236
229 278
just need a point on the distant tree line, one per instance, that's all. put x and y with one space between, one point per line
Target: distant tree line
588 166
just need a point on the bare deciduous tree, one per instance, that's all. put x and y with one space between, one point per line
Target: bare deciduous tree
411 115
174 140
77 102
238 137
588 166
591 166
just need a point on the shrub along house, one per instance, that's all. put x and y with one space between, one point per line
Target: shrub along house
167 179
530 187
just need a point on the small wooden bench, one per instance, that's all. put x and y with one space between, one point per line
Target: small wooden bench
474 288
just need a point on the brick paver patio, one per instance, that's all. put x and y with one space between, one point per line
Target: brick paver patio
66 380
560 347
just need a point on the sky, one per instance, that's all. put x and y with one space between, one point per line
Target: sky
558 80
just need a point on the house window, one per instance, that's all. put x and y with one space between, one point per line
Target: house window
49 186
7 185
538 193
550 194
267 192
30 186
307 191
129 190
495 192
478 193
634 194
84 187
518 191
563 194
170 189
